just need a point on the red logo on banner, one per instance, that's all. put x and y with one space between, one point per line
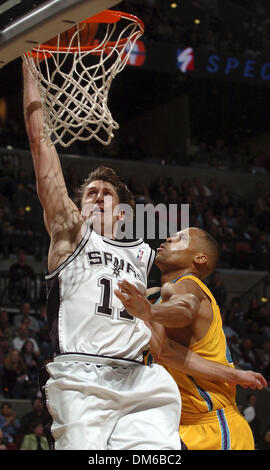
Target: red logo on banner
138 54
185 59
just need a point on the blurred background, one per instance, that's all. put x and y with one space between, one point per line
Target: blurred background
193 110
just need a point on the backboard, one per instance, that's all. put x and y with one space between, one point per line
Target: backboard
26 23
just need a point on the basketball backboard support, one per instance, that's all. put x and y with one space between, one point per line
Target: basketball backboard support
26 23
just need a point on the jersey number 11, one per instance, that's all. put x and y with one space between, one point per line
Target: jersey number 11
105 306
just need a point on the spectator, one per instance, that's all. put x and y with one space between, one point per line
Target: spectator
250 414
25 313
9 423
261 251
233 343
38 414
232 339
6 238
242 221
15 377
265 360
5 326
201 189
253 332
263 212
202 157
228 232
217 287
36 439
265 441
5 219
230 218
228 330
139 190
5 444
157 190
23 335
22 277
263 320
210 219
43 335
249 359
32 364
253 308
4 350
243 254
237 317
222 202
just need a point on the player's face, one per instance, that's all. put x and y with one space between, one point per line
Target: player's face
99 206
176 249
178 241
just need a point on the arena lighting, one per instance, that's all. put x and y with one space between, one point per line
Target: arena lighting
174 5
197 21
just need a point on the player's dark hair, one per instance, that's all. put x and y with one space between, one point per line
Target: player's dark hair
108 174
213 245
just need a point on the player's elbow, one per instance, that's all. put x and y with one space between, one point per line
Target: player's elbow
162 353
168 354
35 137
188 309
34 123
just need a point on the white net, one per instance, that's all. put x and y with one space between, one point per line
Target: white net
74 85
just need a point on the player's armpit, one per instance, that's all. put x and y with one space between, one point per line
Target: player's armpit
152 291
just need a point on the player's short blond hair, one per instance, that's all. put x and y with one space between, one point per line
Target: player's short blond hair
108 174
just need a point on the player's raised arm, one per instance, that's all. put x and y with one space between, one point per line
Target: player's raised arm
51 187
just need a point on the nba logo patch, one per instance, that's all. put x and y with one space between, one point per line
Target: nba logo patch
185 59
140 255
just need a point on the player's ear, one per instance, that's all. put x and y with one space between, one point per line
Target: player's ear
122 215
200 258
123 212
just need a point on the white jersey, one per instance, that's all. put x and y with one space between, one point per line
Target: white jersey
84 314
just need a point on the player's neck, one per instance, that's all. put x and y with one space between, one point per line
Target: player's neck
105 233
172 275
109 235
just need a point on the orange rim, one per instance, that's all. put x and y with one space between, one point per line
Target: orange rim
106 16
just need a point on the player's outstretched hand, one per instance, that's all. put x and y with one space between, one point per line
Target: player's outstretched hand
250 379
135 303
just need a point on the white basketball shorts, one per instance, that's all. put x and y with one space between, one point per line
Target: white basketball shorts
121 406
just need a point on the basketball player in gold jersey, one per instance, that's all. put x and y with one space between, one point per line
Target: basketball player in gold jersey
186 314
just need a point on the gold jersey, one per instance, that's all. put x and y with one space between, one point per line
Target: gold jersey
210 419
198 395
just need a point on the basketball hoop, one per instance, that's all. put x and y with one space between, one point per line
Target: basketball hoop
74 91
